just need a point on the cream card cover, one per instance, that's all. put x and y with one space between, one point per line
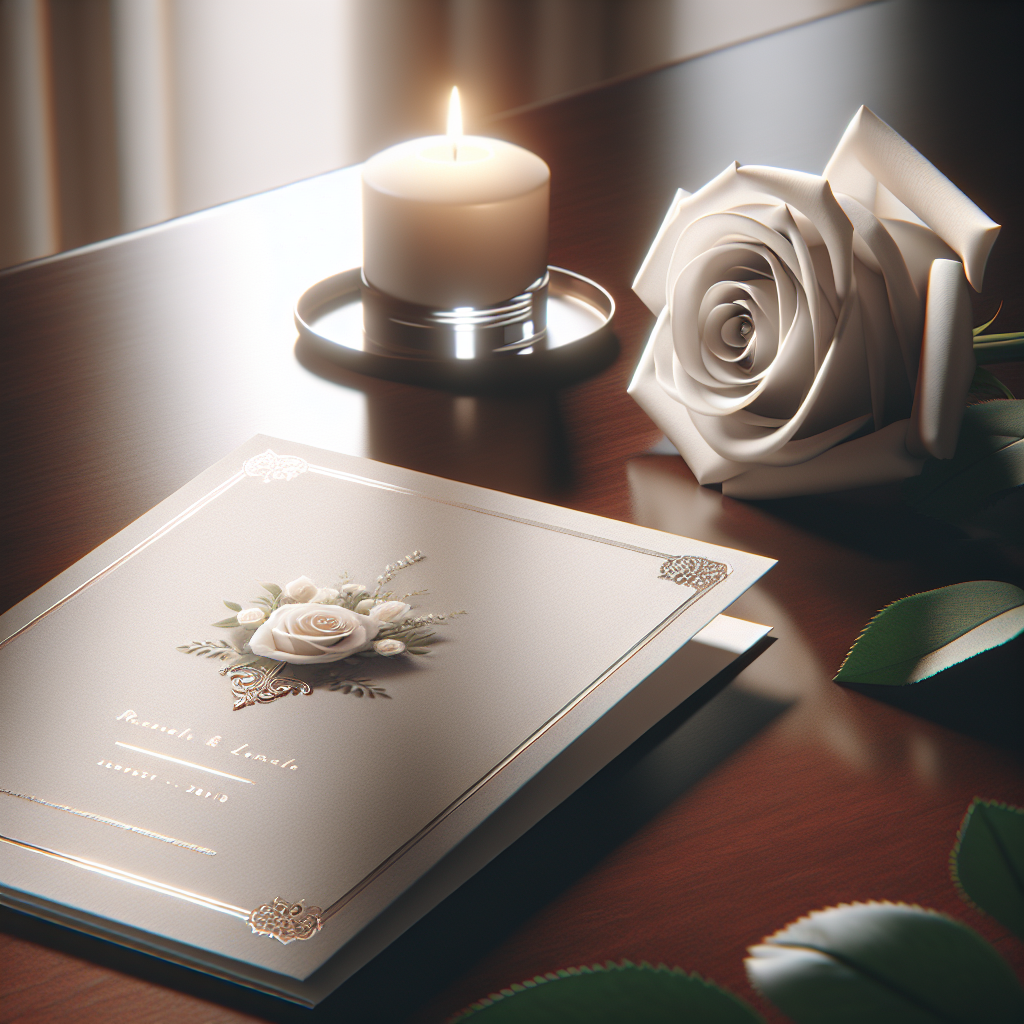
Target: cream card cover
249 798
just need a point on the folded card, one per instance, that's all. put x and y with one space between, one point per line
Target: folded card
241 729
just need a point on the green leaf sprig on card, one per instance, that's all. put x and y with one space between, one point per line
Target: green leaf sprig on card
918 636
319 630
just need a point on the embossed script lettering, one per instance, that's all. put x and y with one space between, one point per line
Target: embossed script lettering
132 718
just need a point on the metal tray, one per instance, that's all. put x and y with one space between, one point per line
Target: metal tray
579 341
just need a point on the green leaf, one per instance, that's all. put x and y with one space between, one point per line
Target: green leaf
612 994
998 348
987 385
884 962
210 649
234 607
916 637
987 862
989 460
272 588
226 623
988 323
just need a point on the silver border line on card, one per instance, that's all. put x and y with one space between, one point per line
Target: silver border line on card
151 539
504 763
126 876
708 575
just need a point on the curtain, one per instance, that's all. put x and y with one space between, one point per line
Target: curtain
117 114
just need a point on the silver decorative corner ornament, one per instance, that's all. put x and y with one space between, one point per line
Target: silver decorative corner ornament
286 921
272 466
693 571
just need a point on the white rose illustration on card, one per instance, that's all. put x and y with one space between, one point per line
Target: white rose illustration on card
321 632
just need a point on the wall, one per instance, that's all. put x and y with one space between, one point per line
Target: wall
116 114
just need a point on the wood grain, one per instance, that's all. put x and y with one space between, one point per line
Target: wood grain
130 367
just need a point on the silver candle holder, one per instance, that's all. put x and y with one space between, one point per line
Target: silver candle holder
405 328
555 332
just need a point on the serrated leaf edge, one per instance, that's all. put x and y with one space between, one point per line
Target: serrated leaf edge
838 958
871 621
954 873
811 914
570 972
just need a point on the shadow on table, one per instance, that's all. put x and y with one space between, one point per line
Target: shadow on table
641 782
878 522
602 814
513 440
983 697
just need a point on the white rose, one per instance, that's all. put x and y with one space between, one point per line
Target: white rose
390 611
364 606
307 634
353 588
814 332
302 590
250 618
388 648
325 595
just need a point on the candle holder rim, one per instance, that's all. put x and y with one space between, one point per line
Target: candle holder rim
571 358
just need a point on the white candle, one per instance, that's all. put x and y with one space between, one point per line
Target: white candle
455 220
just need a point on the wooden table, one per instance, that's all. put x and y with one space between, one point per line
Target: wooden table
134 364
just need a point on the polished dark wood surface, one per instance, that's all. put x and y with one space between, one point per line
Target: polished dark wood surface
131 366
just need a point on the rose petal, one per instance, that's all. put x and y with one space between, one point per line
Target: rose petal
390 611
871 153
707 465
947 363
313 633
877 458
904 300
302 589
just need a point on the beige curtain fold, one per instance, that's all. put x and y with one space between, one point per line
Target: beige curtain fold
116 114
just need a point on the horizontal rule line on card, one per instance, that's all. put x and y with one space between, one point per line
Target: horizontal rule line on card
187 764
116 824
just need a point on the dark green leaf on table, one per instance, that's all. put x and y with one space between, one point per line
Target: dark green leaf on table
884 962
988 462
918 636
612 994
987 862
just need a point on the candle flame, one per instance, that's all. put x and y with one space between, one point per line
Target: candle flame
454 121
